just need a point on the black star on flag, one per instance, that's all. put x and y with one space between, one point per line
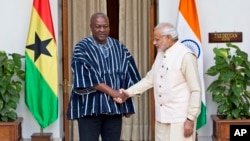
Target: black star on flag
39 47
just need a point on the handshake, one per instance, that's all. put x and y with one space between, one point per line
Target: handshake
121 96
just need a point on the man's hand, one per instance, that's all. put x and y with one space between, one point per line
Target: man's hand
122 97
188 128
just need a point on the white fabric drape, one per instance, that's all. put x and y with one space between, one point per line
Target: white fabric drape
134 33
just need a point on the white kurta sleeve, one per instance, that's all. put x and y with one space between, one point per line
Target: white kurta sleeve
190 70
141 86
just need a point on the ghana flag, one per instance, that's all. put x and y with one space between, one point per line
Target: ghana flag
41 66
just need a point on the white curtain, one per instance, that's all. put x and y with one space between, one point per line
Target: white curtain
134 33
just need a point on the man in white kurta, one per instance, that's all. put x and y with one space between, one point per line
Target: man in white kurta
177 90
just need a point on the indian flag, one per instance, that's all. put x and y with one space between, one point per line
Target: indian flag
189 34
41 66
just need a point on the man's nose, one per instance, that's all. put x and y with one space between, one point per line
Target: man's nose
154 42
102 28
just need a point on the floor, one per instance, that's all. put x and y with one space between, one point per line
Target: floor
204 138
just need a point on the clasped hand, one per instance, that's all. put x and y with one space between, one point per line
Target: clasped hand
121 96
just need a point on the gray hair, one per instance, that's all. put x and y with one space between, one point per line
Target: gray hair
167 29
98 14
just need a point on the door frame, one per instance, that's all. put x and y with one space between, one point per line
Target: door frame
65 69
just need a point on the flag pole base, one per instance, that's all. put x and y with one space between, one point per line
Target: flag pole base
41 137
196 138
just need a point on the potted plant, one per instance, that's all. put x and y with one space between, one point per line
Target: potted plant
11 77
230 89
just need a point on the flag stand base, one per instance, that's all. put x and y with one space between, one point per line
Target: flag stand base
41 137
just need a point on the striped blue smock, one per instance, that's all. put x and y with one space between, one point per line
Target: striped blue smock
93 64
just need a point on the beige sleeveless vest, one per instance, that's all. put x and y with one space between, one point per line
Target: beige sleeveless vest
170 87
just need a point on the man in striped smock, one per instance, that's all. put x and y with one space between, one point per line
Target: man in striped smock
101 65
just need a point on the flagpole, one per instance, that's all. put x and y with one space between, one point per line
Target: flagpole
41 130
